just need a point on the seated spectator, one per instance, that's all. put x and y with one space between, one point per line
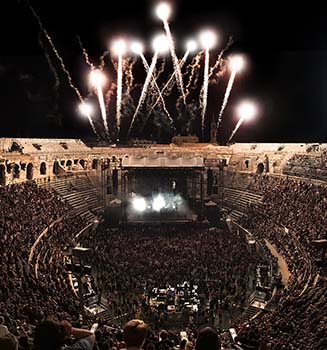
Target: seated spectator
51 334
207 338
8 342
134 335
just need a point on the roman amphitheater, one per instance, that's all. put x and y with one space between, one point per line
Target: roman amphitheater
178 235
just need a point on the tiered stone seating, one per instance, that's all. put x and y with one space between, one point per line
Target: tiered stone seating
237 180
239 201
80 193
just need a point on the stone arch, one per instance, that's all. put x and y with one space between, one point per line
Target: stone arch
62 162
29 171
56 167
95 163
2 175
69 163
43 168
247 163
260 168
82 163
15 171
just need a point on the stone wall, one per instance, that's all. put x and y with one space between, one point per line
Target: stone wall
41 159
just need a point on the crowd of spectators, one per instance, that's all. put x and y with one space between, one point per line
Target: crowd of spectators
292 215
26 211
299 206
308 165
128 263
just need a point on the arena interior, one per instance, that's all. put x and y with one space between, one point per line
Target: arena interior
178 235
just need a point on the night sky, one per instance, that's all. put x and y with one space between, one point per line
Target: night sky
286 73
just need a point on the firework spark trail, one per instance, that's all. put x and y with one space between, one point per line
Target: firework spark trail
85 54
145 63
92 125
70 81
239 123
52 68
154 82
144 90
205 90
195 66
227 93
170 81
191 64
127 100
119 91
159 71
102 63
219 58
108 95
102 108
128 72
177 68
114 64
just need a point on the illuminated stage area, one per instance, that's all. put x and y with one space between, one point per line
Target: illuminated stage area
161 194
158 207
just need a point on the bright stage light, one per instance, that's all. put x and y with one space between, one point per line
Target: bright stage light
85 108
208 39
158 203
139 204
246 110
163 11
137 47
191 45
119 47
97 78
236 63
160 44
